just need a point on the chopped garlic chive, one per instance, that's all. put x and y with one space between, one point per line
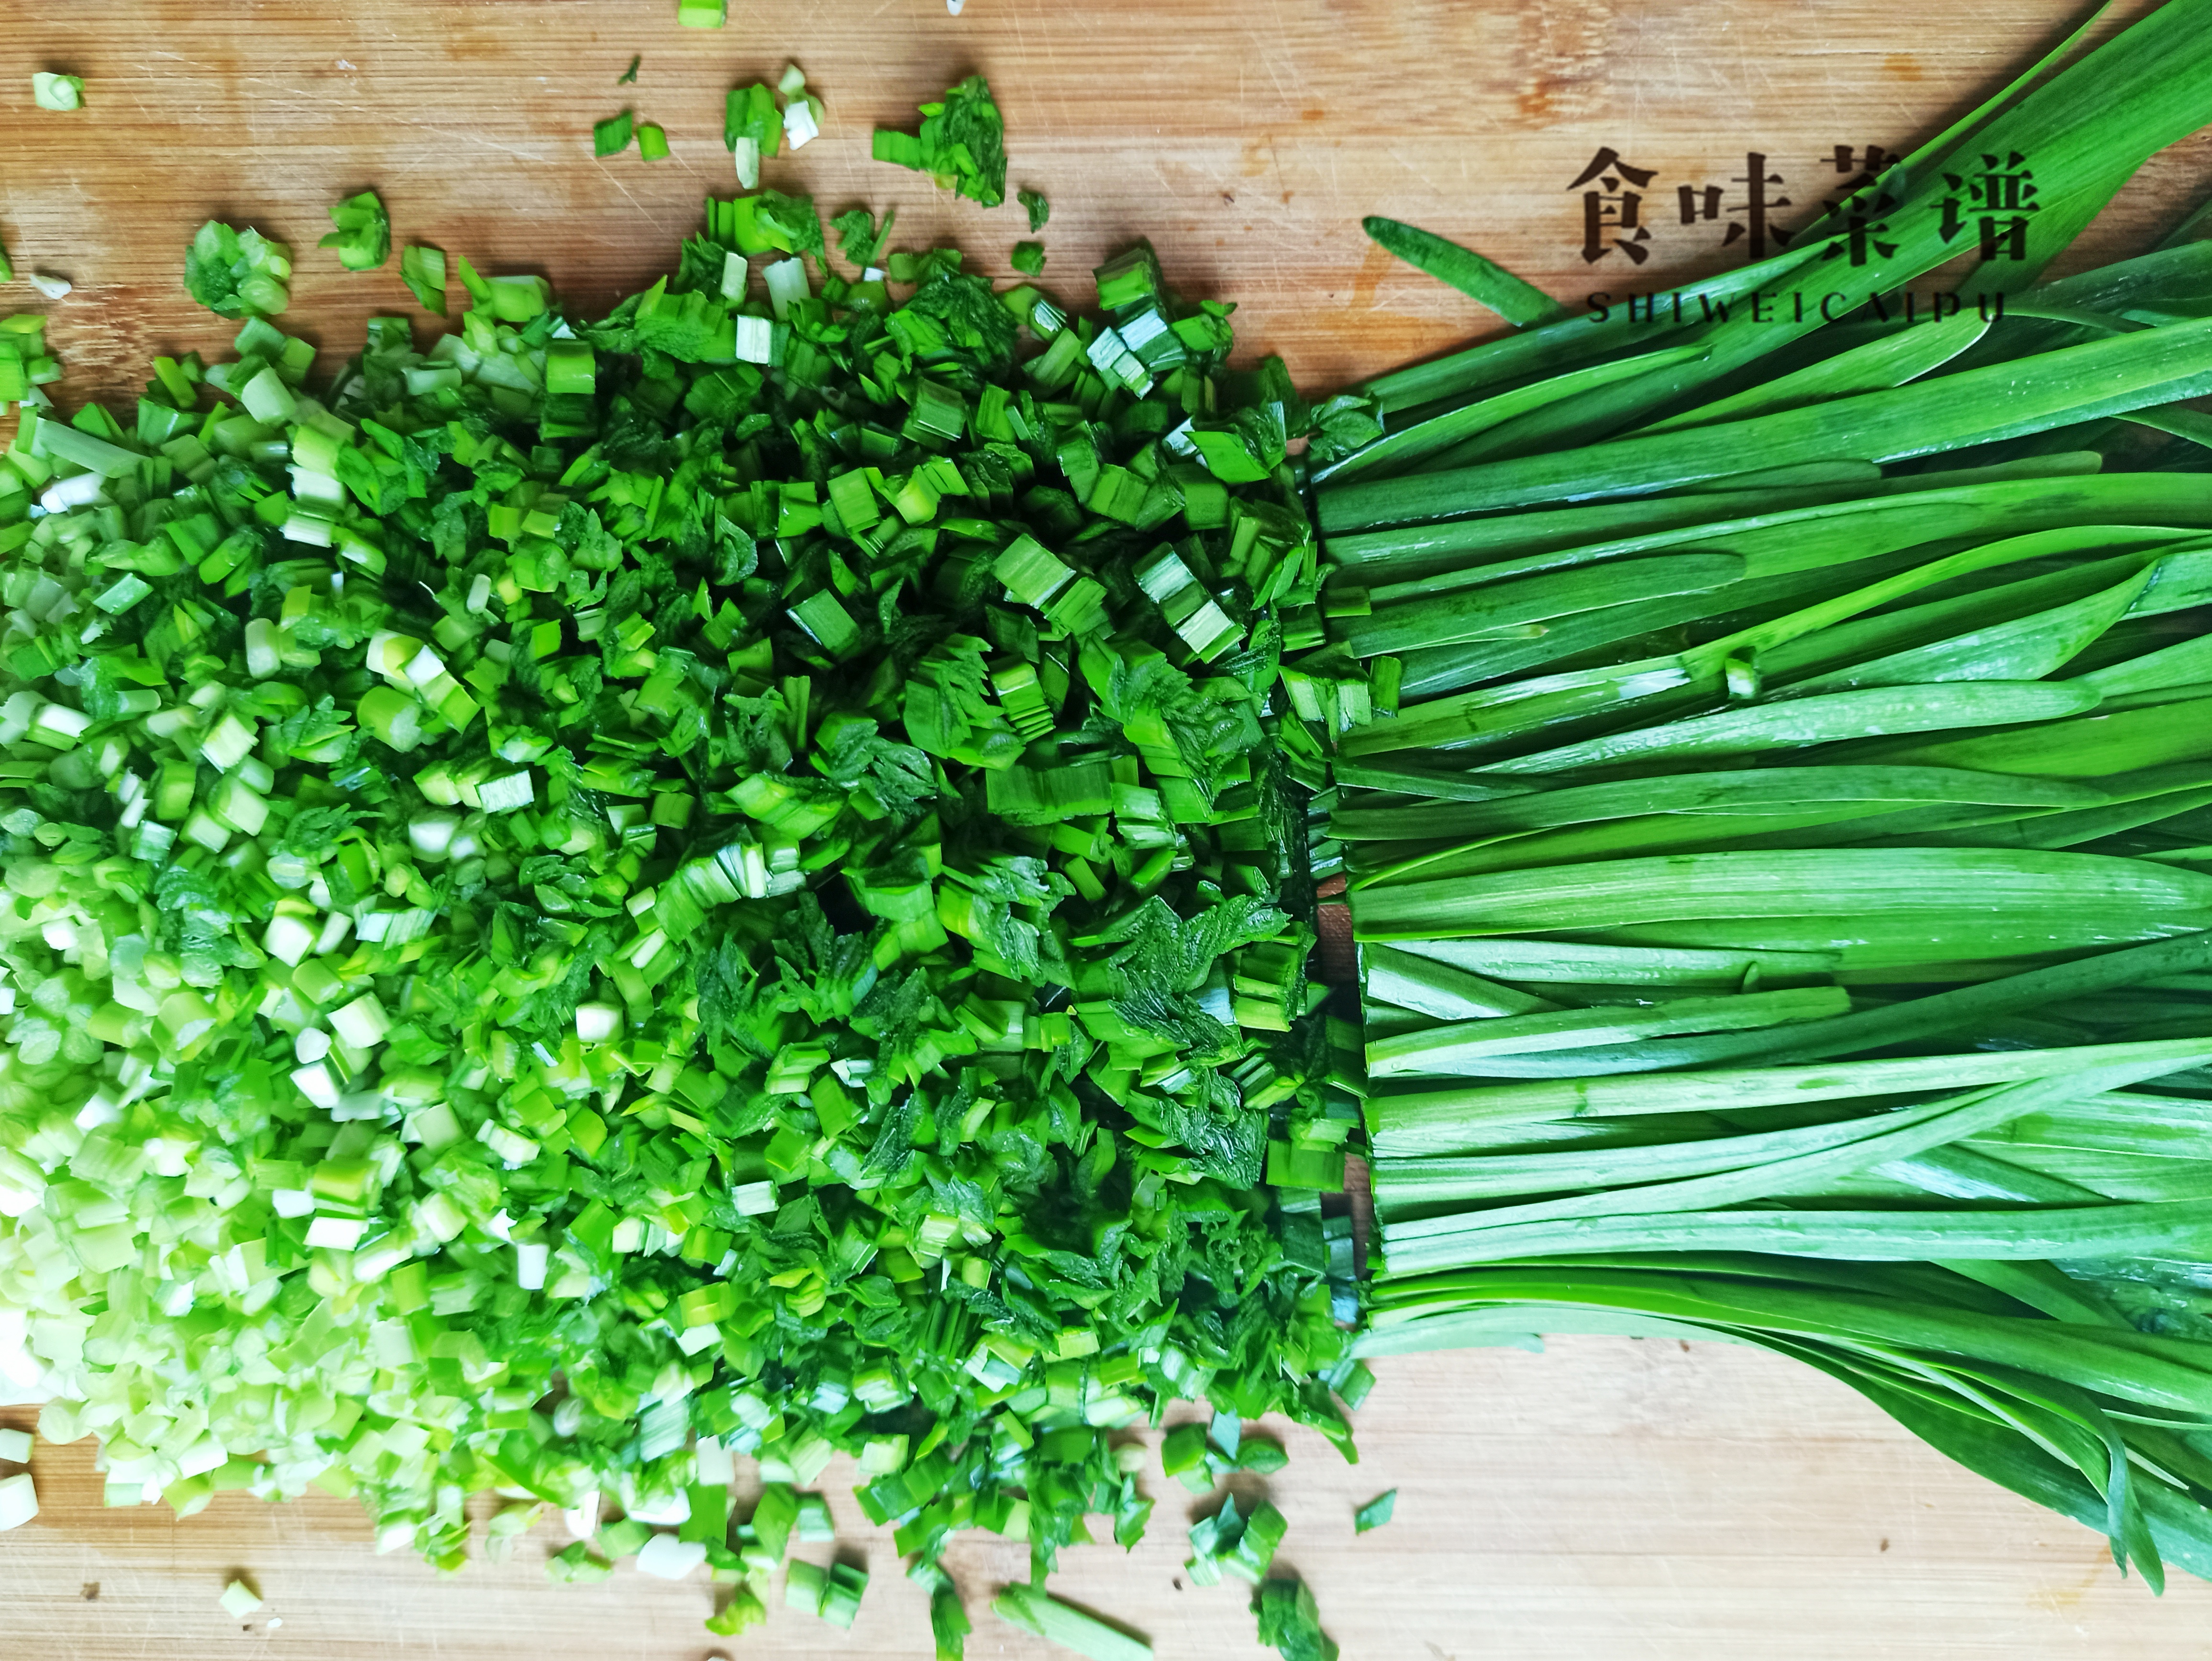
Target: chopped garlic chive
58 91
240 1600
19 1500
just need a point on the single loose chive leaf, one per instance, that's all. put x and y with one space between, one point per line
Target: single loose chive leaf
422 269
363 236
1376 1512
651 142
58 91
701 14
629 74
1028 258
1520 303
612 136
1035 206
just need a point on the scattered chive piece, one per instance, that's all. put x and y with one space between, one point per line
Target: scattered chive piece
752 129
1028 258
15 1447
422 269
19 1498
859 239
7 267
651 142
1520 303
1034 203
962 143
240 1599
629 74
1376 1512
236 273
58 91
1056 1623
701 14
611 136
363 236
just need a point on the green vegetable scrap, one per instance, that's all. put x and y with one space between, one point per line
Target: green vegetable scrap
1035 205
236 273
1376 1512
962 143
1028 259
701 14
1291 1620
26 367
612 136
58 91
363 236
630 74
860 238
423 271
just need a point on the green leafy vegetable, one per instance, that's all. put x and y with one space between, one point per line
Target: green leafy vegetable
1028 259
629 74
1376 1512
1035 205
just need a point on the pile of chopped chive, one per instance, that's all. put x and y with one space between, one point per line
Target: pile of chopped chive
612 896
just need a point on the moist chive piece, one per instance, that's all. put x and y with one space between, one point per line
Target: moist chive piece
1290 1619
363 236
58 91
422 269
651 142
1034 205
1520 303
1028 259
630 74
860 238
701 14
612 136
1376 1512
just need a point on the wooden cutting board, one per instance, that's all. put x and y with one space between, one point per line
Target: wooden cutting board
1609 1499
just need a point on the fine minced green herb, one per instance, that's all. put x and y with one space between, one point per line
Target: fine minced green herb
630 74
58 91
612 136
962 143
363 236
1028 259
1035 205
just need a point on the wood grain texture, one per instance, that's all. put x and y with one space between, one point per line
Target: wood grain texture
1611 1499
